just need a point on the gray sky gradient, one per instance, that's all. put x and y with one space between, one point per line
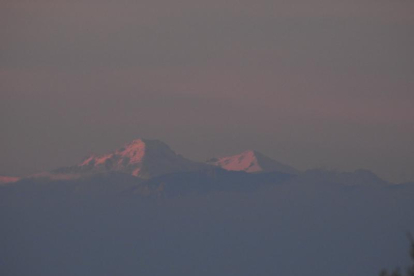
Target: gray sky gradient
310 83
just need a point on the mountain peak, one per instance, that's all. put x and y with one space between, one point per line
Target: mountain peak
144 158
251 161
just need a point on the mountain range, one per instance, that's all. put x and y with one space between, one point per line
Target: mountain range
144 210
151 167
149 160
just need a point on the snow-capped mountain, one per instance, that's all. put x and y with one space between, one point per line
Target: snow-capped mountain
251 161
142 158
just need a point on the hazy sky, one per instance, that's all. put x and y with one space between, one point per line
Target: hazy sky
323 83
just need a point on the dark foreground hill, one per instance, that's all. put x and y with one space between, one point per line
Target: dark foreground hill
214 222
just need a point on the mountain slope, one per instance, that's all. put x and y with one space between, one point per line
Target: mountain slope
142 158
252 162
356 178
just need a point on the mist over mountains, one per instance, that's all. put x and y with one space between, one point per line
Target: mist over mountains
145 210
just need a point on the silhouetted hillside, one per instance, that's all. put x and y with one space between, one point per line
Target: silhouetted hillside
214 222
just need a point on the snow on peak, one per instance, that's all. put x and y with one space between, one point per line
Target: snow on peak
251 161
141 157
134 151
245 161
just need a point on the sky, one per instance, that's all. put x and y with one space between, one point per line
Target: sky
314 84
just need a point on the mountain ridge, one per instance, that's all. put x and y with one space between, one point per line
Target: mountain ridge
251 161
142 158
151 159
